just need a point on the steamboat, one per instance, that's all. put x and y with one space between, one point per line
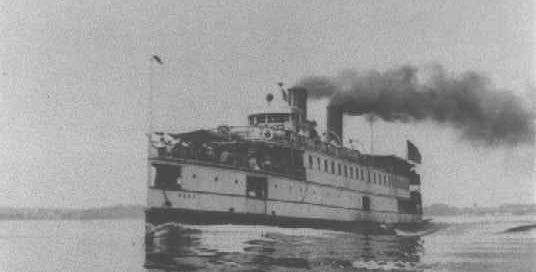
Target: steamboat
278 170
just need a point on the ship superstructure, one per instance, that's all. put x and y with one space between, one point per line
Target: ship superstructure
277 170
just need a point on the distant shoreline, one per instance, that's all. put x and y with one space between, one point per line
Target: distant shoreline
508 209
112 212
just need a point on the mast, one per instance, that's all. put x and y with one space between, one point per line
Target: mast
150 110
151 72
371 124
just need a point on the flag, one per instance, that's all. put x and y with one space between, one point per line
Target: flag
283 92
158 59
413 153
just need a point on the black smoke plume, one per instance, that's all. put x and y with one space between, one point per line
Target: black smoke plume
466 102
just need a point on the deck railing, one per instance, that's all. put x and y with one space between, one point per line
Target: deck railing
295 140
277 137
224 159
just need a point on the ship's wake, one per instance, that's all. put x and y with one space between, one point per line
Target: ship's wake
374 265
250 247
521 228
429 229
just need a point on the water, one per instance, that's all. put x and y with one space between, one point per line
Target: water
461 244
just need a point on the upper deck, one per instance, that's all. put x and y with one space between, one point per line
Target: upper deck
265 149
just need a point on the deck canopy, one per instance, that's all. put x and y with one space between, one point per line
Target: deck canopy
200 136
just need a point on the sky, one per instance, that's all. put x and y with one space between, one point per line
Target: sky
76 85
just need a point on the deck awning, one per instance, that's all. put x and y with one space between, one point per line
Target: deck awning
201 136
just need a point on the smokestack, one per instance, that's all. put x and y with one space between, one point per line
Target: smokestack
298 101
334 123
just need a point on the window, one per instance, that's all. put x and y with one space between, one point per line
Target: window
256 187
326 166
310 162
351 172
345 171
365 203
332 167
276 119
362 174
318 163
339 169
167 176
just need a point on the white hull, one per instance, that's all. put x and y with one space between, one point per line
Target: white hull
215 189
